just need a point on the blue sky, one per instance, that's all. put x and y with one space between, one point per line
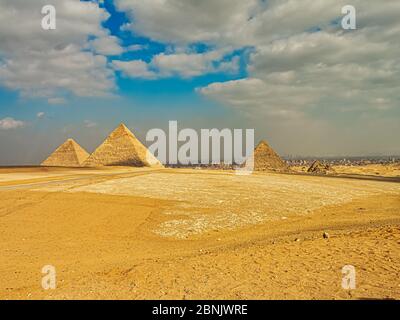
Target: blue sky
281 68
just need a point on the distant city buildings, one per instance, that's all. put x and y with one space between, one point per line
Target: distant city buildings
348 161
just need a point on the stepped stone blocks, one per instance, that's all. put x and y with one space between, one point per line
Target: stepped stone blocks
265 158
69 154
122 148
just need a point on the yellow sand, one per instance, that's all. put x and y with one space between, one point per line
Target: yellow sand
190 234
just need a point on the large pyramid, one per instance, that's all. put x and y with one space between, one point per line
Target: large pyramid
266 159
122 148
69 154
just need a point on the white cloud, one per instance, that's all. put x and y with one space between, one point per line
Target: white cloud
294 73
182 64
188 21
108 45
10 123
49 64
90 124
56 101
301 59
192 64
40 115
134 69
58 70
227 22
137 47
255 96
309 70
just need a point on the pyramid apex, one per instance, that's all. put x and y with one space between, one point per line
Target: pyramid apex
122 126
263 143
72 142
122 129
122 148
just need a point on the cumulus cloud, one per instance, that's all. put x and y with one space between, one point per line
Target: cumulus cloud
193 64
108 45
295 72
316 69
50 63
227 22
134 69
301 58
90 124
255 96
137 47
182 64
10 123
189 21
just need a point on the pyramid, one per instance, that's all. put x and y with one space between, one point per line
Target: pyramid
266 159
320 168
122 148
69 154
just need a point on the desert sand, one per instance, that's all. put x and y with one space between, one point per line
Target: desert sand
156 233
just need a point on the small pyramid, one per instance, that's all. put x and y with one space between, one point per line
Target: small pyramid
122 148
320 168
266 159
69 154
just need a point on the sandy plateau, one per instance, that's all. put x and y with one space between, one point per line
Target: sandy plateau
195 234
